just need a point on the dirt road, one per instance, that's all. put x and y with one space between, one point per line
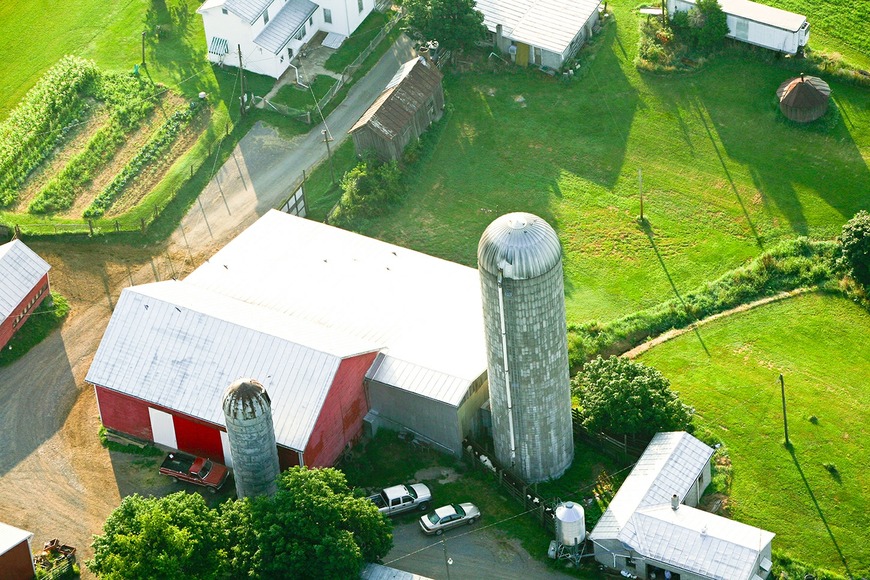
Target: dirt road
55 478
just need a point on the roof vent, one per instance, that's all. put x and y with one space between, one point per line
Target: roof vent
675 502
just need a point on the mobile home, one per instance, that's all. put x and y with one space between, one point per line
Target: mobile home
759 24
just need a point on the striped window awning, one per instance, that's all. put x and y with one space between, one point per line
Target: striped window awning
219 46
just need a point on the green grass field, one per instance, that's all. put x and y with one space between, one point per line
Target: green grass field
724 176
819 344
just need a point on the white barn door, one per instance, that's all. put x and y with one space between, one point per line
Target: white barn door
162 428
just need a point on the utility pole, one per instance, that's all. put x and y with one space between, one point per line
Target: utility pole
143 48
447 560
784 419
242 79
329 154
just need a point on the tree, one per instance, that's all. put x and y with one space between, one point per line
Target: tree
170 537
622 396
315 528
709 23
455 24
855 240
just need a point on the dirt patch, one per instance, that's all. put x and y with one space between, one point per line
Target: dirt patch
442 474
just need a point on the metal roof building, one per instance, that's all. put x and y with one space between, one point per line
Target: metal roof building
16 559
542 32
651 523
313 312
23 286
804 98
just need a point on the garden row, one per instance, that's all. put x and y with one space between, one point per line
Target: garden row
69 92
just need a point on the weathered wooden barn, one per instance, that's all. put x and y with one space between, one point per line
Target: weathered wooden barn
342 330
16 559
651 525
804 98
23 286
759 24
411 101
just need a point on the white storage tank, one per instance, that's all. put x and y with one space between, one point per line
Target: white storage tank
520 264
248 414
570 524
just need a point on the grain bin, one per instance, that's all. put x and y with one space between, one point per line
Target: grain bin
570 524
520 264
248 413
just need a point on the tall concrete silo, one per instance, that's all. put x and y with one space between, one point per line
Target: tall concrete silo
248 413
520 264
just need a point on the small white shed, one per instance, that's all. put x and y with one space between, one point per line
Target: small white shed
759 24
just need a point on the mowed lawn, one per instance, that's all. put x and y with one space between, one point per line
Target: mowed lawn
819 343
723 175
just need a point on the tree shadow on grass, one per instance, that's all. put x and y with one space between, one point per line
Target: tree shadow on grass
797 464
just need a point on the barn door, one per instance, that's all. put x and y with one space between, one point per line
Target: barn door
162 428
522 54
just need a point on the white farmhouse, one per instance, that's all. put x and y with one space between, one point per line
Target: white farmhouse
270 33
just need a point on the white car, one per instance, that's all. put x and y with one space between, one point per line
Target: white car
449 516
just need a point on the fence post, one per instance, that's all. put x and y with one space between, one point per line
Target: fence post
142 220
117 226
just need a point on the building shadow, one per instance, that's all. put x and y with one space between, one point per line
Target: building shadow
797 464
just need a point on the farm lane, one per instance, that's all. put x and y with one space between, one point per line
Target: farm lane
263 166
55 478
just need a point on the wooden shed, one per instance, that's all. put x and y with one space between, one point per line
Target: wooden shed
16 560
23 286
804 98
411 101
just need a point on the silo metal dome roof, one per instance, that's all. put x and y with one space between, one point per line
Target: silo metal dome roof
521 244
246 398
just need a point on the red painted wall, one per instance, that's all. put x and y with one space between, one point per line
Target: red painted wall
124 413
8 326
16 564
340 420
199 438
287 458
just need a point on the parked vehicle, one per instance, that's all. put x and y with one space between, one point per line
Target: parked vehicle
449 516
196 470
402 498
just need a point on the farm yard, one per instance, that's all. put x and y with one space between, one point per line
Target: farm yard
724 179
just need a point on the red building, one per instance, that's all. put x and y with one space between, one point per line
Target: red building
23 286
16 560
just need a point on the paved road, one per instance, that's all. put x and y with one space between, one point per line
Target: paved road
261 169
476 553
55 478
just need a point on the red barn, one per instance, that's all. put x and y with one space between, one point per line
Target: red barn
333 324
23 286
16 560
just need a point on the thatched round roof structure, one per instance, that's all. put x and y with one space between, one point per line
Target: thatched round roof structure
804 98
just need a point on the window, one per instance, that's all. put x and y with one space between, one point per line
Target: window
431 107
327 15
290 53
224 11
300 34
311 21
359 4
742 29
266 17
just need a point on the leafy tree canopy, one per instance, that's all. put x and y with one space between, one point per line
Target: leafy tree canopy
855 240
622 396
314 527
455 24
705 24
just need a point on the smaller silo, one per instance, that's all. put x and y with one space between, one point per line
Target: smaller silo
804 98
248 413
570 525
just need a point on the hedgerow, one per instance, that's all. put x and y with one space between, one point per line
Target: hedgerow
41 121
792 264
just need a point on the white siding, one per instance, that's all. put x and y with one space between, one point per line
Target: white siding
162 428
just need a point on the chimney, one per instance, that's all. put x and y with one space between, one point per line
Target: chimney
499 34
675 502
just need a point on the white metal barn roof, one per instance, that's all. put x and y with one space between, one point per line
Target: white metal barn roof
180 346
425 312
697 541
247 10
761 13
285 24
548 24
10 536
20 270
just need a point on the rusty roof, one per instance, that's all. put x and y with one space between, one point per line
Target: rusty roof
403 96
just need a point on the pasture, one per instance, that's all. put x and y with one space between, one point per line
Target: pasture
818 516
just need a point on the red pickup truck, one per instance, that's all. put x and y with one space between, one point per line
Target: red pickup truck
197 470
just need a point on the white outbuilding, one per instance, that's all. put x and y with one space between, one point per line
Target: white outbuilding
651 526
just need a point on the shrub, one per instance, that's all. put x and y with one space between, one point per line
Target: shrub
626 397
855 242
369 190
